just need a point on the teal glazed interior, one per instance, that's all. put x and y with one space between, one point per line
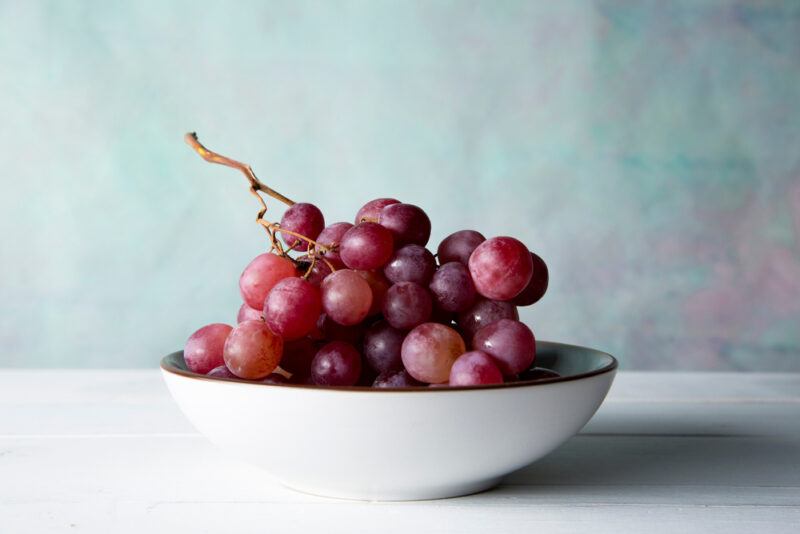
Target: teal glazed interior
569 361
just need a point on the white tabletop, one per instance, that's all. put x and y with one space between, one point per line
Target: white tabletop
108 451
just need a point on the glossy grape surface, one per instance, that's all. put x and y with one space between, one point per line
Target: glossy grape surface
371 211
346 297
510 343
408 224
537 286
407 305
475 368
379 286
292 308
458 246
304 219
429 350
484 312
500 267
396 379
203 350
366 246
252 350
336 364
382 345
452 287
261 275
411 263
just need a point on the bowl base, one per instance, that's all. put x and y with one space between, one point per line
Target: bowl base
400 494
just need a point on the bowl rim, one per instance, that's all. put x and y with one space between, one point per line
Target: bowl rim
609 367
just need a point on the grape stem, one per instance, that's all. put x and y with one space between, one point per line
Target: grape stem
255 186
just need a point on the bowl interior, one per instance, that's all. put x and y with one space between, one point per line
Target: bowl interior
569 361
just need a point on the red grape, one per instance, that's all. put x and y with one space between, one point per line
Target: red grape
371 211
411 263
537 287
510 343
475 368
408 224
396 379
221 372
203 350
382 347
484 312
304 219
292 308
429 350
459 246
252 350
346 297
500 267
407 305
331 236
366 246
336 364
297 356
261 275
318 272
452 287
246 313
379 286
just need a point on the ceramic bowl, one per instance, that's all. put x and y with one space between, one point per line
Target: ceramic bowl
395 444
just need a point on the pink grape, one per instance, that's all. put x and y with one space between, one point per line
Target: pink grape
275 379
500 267
366 246
408 224
203 350
484 312
333 331
379 286
304 219
292 308
475 368
261 275
221 372
459 246
411 263
537 287
346 297
371 211
252 350
336 364
452 287
407 305
396 379
297 356
331 236
429 350
510 343
382 345
318 272
246 313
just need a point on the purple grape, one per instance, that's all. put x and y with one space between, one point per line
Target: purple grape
331 236
396 379
204 348
407 305
292 308
408 224
452 287
371 211
459 246
411 263
475 368
221 372
366 246
500 268
510 343
336 364
302 218
537 287
484 312
382 345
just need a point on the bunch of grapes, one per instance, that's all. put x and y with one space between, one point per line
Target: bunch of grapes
366 303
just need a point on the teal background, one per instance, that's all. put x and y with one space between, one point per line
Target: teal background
649 151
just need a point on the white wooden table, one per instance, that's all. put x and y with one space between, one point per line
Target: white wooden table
108 451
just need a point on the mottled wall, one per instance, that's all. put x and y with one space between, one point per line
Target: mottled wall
649 151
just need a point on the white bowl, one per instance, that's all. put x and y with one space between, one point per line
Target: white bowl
395 444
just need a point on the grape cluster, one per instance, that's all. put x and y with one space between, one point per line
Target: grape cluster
368 304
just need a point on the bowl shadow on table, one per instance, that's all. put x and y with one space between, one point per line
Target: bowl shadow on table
662 453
